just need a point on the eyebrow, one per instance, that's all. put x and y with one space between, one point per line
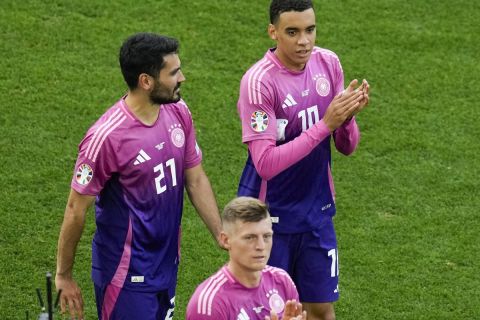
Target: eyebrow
296 29
175 71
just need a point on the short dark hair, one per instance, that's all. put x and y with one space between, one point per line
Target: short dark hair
143 53
245 209
278 7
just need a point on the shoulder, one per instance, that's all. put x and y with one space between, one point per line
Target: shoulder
180 109
325 55
106 130
113 118
277 275
262 71
208 297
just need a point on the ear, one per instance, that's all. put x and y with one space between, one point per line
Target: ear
224 240
145 81
272 32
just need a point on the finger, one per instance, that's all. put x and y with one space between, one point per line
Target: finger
79 307
63 304
353 110
338 96
273 315
366 99
363 103
80 304
350 102
71 308
367 86
352 85
289 308
300 308
347 97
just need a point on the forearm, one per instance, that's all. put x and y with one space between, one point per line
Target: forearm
270 160
202 198
70 235
346 137
71 231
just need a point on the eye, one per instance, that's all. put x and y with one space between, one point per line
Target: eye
291 33
311 30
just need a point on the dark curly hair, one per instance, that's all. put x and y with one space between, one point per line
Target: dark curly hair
278 7
143 53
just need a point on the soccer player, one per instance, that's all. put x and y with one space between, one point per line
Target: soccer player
134 162
292 104
246 288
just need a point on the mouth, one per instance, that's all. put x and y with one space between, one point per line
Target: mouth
303 52
259 258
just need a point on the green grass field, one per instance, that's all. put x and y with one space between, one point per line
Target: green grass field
408 200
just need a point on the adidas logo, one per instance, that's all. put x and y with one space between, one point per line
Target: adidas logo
159 146
289 101
258 309
243 315
141 158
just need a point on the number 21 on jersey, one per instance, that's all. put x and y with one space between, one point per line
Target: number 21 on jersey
158 180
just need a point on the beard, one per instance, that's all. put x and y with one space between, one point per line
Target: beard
162 95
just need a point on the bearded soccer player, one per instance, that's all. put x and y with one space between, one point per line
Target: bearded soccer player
134 163
246 288
292 104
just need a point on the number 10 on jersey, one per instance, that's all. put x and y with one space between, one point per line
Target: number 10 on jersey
309 117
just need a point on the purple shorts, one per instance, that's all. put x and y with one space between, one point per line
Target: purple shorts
114 303
311 259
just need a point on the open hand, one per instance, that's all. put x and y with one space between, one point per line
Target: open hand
344 105
70 297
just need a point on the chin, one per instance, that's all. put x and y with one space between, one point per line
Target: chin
258 266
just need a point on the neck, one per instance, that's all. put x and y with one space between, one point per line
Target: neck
248 278
141 106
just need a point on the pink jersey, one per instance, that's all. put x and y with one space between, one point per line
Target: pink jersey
278 103
290 169
222 297
137 173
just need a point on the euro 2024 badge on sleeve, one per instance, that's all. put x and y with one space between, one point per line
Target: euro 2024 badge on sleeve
84 174
259 121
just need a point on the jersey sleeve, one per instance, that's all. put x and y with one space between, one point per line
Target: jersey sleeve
339 84
292 292
199 311
346 137
287 283
256 106
270 160
95 162
193 153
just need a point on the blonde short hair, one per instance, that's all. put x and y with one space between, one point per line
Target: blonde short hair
245 209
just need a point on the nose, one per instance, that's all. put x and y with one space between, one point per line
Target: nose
303 39
260 244
181 77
